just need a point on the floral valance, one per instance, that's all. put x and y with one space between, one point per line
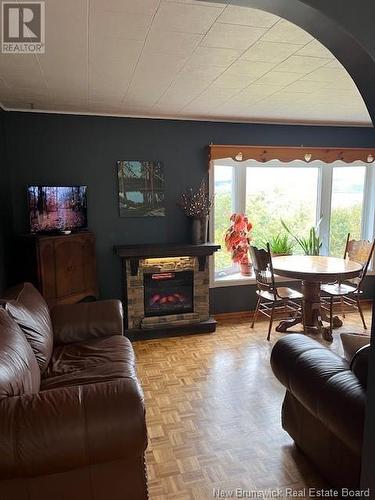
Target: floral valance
287 154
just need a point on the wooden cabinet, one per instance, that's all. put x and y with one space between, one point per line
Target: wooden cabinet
62 267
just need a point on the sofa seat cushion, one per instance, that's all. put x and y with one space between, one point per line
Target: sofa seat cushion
92 361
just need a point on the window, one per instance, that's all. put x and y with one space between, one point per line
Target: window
280 192
223 208
301 194
346 206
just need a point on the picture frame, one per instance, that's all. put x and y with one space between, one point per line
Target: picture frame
141 188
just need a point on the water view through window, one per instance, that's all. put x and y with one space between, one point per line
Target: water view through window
277 193
294 192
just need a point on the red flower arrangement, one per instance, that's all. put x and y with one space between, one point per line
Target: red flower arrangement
237 238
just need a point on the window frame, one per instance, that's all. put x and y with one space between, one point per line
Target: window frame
323 206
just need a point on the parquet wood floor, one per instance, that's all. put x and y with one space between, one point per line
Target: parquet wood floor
213 413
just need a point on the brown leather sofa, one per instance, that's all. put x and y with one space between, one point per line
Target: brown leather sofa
72 420
324 405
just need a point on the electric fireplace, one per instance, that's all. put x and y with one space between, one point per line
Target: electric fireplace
166 289
168 293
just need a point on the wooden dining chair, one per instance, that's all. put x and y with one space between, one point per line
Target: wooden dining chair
347 293
271 299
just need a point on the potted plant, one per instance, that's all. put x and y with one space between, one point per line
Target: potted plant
197 207
281 245
237 241
310 245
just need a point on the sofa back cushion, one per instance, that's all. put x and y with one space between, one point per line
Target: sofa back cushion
19 370
28 308
359 364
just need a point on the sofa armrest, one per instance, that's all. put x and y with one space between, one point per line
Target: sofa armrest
63 429
87 320
324 384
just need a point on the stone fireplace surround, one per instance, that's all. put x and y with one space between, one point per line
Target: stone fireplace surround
138 260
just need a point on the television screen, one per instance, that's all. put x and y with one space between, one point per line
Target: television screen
57 208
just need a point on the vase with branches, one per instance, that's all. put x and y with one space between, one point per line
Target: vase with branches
237 241
197 206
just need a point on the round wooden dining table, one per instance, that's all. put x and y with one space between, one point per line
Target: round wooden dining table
313 271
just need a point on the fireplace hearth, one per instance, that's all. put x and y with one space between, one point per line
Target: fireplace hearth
166 289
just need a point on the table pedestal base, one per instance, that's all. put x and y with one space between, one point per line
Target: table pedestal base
313 314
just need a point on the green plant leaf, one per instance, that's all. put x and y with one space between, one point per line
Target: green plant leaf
310 245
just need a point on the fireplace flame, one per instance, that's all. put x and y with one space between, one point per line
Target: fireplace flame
160 299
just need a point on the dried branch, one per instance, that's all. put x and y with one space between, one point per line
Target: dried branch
196 204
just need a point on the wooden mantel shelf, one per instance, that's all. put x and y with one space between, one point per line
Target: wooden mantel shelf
165 250
136 252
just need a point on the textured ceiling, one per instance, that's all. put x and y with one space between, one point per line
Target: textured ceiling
180 59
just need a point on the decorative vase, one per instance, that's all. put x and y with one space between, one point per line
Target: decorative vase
199 230
245 269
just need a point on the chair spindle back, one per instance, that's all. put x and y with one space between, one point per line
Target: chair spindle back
359 251
263 269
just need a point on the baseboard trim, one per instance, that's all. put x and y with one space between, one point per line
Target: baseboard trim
245 315
233 315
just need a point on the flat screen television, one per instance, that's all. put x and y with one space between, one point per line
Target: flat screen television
57 208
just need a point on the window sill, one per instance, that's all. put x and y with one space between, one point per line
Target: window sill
238 279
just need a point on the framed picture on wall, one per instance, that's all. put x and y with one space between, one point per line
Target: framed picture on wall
141 188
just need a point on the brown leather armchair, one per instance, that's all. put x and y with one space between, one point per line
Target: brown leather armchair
72 420
324 405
